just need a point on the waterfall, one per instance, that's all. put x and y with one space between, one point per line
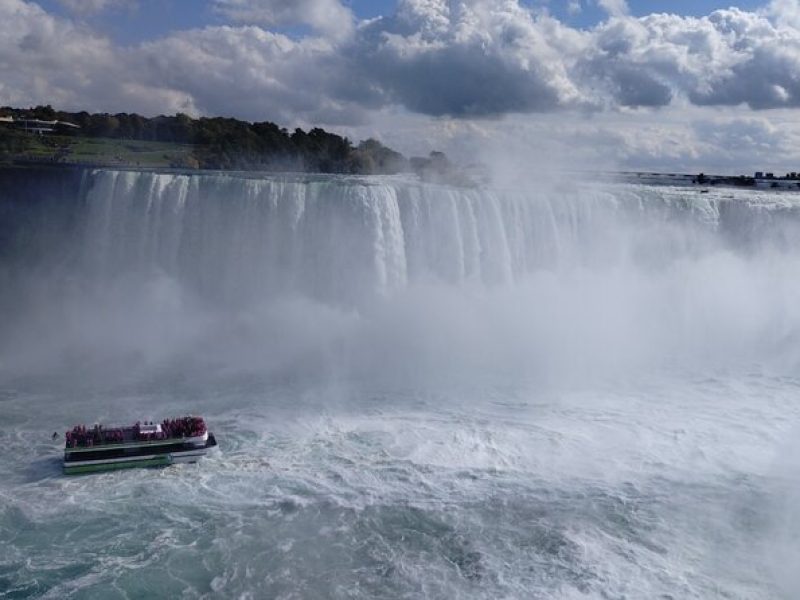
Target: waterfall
291 271
342 239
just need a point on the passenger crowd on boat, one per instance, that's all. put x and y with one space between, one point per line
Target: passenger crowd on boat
183 427
83 437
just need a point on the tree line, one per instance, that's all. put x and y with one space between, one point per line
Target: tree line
227 143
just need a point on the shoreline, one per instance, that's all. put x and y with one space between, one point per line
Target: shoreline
642 177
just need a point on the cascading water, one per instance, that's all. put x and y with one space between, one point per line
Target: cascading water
571 390
341 239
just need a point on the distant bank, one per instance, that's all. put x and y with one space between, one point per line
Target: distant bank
791 181
45 135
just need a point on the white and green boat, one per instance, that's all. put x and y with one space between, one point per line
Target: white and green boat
182 440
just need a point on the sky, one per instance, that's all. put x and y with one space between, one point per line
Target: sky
680 85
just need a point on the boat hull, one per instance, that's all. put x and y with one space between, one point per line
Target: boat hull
145 457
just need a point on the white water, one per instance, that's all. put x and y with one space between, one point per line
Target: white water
579 391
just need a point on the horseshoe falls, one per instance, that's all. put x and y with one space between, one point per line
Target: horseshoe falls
559 390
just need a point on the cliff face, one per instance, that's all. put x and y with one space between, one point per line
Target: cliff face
37 206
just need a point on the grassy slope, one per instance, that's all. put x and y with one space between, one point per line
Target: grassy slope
102 151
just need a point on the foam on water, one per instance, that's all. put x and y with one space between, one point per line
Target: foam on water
494 494
418 391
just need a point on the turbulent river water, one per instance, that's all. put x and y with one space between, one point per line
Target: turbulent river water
557 391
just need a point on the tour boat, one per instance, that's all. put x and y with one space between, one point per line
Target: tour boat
148 444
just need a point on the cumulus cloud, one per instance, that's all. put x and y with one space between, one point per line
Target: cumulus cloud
49 60
614 8
244 71
250 72
487 57
729 57
40 54
468 58
784 12
462 59
755 134
85 7
730 140
759 65
328 16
